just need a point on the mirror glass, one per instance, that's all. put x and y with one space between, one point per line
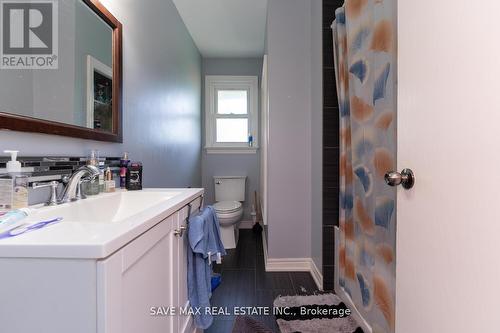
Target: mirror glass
78 89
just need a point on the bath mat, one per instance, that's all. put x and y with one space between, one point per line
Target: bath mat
312 314
244 324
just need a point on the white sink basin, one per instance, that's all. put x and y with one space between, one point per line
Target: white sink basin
99 225
105 208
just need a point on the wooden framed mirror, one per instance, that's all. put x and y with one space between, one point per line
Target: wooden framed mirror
81 94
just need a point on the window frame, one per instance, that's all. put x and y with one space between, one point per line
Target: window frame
214 83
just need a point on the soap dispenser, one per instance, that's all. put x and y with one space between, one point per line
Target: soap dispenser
13 166
13 185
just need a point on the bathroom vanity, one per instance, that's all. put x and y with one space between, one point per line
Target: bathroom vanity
104 268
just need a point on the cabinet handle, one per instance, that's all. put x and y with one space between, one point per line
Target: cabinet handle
180 231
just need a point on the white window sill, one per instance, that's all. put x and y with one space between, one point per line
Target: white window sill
231 150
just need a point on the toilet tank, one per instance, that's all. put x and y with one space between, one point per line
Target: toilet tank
229 188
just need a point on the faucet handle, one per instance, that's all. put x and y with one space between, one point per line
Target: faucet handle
53 193
80 193
36 185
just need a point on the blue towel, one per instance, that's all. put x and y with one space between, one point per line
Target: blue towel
206 245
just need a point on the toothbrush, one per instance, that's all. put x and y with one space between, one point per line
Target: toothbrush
26 227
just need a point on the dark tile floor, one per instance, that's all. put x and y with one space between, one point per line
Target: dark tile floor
246 283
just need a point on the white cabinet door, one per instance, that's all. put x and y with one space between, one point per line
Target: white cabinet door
136 278
186 323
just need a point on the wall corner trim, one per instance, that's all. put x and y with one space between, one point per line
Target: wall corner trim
292 265
316 274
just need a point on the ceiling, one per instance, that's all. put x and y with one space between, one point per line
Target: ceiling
225 28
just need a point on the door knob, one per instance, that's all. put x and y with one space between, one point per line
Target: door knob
406 178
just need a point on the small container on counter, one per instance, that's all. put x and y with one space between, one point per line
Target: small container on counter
93 186
123 170
134 176
109 182
102 177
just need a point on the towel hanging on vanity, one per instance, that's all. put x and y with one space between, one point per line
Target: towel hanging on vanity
206 246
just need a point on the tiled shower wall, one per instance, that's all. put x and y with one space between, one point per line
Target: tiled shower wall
330 146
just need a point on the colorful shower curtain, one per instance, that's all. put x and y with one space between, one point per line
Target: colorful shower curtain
365 60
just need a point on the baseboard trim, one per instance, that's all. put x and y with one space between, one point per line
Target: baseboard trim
288 265
317 276
292 265
246 224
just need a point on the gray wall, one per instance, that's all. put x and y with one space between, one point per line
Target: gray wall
294 129
231 164
161 100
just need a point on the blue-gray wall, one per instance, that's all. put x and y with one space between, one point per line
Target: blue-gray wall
289 166
232 164
161 99
295 129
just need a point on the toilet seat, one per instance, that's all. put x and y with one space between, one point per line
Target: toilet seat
227 207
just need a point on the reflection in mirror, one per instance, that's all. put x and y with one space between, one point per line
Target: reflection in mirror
99 93
79 91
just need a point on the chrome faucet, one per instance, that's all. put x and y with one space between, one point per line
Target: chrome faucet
72 189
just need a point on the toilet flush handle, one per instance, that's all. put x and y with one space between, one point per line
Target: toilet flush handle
217 182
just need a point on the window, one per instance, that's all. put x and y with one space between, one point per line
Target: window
231 114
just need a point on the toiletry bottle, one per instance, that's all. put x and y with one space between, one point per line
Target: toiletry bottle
250 140
101 176
123 170
109 182
13 185
134 176
93 185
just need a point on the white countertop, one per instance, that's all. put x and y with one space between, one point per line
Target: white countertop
98 226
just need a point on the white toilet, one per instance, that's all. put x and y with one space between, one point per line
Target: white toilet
229 195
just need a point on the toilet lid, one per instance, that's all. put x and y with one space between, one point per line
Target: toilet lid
227 206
